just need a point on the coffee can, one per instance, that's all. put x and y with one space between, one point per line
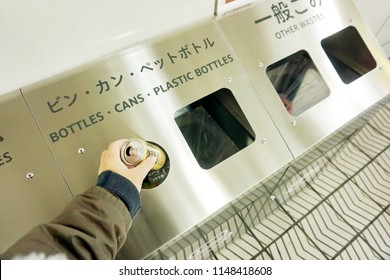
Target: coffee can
135 150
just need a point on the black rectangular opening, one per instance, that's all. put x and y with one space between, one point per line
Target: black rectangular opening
215 128
349 55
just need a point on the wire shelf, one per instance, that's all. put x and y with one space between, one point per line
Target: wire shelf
332 204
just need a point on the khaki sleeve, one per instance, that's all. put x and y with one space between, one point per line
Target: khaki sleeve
93 226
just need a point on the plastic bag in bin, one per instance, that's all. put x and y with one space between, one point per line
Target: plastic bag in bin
298 82
207 140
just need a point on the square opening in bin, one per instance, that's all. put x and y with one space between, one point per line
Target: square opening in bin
349 54
214 127
297 82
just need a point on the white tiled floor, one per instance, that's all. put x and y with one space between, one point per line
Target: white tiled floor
342 212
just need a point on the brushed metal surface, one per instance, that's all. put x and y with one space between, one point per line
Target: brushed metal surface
274 30
136 94
25 203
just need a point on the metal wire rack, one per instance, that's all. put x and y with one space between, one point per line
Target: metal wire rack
333 204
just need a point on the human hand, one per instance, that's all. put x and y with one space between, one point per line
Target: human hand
110 160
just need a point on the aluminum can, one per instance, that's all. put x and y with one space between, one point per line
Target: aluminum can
135 150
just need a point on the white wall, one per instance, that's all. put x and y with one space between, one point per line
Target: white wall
41 38
377 15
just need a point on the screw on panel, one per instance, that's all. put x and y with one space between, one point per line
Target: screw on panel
263 141
272 197
30 175
81 151
294 122
261 64
229 79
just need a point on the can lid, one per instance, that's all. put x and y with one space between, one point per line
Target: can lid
133 151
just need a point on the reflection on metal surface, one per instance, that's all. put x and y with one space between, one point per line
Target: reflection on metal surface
210 245
297 82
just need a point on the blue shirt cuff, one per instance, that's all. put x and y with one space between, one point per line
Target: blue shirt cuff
122 188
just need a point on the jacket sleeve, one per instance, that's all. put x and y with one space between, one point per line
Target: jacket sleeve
93 226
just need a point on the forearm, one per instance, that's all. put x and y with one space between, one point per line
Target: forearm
93 226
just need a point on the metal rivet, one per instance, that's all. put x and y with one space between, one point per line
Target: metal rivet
229 79
272 197
261 64
263 141
81 151
294 122
29 176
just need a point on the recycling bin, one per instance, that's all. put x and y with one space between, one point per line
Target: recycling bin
314 64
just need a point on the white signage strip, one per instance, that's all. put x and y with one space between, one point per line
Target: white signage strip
223 7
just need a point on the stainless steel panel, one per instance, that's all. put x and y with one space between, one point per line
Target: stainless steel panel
292 216
32 189
136 94
273 30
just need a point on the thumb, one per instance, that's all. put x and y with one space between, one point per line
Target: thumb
137 174
146 165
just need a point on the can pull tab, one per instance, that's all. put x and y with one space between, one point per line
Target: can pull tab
132 152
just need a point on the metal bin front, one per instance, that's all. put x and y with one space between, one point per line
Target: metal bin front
315 65
187 93
32 188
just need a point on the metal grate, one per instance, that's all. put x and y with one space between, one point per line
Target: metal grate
336 207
